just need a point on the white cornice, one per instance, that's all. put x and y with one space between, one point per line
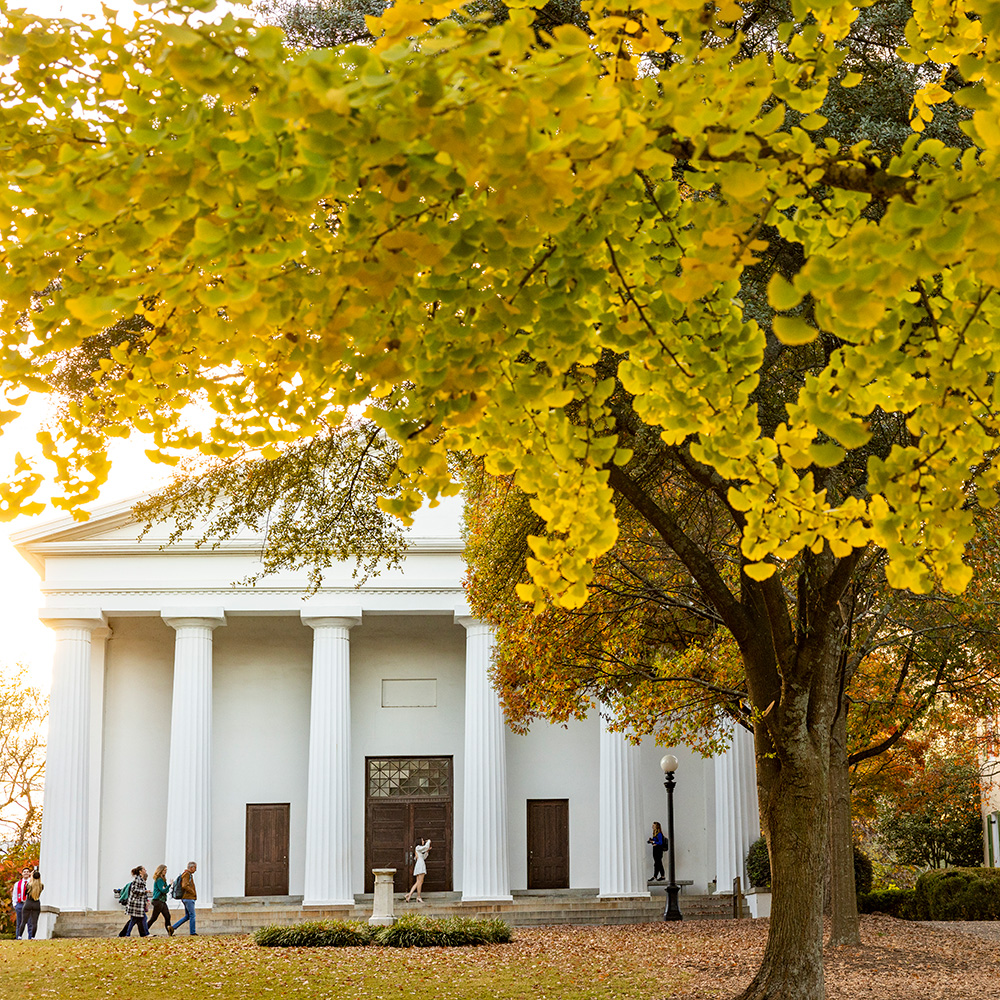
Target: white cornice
102 518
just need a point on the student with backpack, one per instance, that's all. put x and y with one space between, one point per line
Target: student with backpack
160 887
136 905
184 885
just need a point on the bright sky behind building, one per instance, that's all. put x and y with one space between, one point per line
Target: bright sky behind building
24 638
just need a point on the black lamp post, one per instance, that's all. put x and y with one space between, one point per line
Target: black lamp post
673 911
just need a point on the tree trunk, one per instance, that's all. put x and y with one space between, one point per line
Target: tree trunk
795 797
844 925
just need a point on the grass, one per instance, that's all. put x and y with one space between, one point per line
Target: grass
578 964
687 960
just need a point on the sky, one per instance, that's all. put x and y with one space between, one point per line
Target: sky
23 639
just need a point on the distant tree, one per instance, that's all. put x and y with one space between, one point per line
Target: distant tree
22 758
933 820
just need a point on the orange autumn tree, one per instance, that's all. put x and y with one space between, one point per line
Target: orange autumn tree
649 646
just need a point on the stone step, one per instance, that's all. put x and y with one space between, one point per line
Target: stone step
243 917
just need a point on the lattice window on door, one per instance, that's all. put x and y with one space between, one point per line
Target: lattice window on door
404 777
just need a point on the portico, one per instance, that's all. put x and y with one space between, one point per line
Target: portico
248 729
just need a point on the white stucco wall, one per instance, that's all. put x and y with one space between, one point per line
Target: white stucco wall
398 647
260 738
137 684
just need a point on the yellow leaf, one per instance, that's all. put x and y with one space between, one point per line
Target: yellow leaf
759 571
793 330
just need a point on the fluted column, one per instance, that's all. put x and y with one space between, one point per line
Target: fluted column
485 874
622 840
328 796
737 819
65 856
189 782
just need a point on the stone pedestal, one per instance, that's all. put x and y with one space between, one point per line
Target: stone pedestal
759 902
382 905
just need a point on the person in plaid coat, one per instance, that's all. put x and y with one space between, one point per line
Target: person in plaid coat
138 900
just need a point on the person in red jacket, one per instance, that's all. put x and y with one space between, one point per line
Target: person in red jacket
18 895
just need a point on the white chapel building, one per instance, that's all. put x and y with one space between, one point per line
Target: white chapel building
289 743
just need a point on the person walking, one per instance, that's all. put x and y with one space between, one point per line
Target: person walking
160 886
188 896
17 897
419 869
659 843
138 901
32 907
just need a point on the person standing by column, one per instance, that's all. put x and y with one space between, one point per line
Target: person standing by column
17 896
659 842
188 896
32 907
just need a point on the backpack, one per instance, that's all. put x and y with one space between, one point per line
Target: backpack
176 892
123 894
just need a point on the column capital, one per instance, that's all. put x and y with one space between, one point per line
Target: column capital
332 616
75 618
194 617
472 625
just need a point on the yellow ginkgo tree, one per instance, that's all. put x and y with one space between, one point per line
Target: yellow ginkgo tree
498 236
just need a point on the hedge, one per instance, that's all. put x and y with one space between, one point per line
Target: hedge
449 932
957 894
315 934
894 902
409 931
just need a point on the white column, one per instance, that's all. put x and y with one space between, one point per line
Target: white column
737 820
65 855
622 838
189 781
328 796
485 874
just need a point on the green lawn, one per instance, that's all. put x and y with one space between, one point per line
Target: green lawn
569 964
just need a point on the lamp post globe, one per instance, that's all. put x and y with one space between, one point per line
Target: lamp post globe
668 764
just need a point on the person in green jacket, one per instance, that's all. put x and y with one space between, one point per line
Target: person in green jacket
160 886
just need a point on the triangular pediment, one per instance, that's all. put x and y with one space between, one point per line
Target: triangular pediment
112 527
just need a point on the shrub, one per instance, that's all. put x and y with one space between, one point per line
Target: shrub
425 932
315 934
894 902
408 932
958 894
863 873
759 867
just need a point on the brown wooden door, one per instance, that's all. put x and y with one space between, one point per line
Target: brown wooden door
548 843
393 830
267 849
407 800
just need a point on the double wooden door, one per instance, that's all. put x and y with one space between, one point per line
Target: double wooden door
408 800
267 849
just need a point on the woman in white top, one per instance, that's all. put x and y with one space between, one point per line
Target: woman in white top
419 869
